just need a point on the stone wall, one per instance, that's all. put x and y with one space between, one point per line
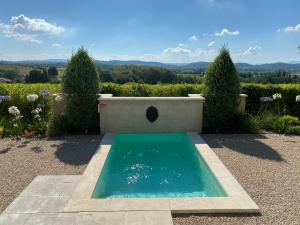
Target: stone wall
165 114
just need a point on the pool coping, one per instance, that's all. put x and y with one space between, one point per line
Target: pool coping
237 201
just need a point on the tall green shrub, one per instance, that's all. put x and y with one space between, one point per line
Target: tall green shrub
80 87
221 90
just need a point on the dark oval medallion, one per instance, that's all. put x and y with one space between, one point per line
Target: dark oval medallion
152 114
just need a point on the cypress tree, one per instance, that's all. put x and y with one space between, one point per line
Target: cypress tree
80 88
221 91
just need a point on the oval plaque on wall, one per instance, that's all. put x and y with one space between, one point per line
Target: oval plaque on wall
152 114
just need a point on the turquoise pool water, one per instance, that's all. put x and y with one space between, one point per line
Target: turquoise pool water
155 165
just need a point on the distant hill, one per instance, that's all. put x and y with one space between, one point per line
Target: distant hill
292 66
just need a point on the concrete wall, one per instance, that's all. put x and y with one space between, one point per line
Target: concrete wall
128 114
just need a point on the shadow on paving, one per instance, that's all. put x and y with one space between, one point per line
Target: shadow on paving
77 150
248 144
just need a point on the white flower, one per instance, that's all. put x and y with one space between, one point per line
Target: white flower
59 98
277 96
298 98
15 125
36 110
266 99
32 97
37 116
14 110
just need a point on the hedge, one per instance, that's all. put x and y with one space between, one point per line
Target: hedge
254 92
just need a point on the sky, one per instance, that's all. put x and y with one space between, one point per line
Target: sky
173 31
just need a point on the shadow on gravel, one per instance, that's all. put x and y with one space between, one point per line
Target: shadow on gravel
5 150
216 215
78 149
248 144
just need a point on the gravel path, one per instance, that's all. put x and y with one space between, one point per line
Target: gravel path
268 167
21 161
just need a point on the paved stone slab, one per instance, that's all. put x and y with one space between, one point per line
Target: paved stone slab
52 186
13 219
37 205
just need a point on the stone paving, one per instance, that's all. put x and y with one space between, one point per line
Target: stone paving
44 200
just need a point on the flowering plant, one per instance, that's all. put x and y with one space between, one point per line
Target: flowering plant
4 98
32 97
16 126
36 113
266 99
277 96
59 98
298 98
45 93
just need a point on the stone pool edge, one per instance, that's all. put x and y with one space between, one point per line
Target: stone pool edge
237 201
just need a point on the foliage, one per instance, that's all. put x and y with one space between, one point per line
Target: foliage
13 75
147 90
246 123
19 93
288 101
283 123
80 87
140 74
222 89
1 131
280 124
52 71
58 126
269 77
294 130
37 76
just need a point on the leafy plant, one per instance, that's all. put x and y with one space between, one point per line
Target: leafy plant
221 90
283 123
293 130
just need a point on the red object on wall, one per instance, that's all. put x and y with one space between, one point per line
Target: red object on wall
102 105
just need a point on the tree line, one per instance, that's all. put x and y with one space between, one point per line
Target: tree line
149 75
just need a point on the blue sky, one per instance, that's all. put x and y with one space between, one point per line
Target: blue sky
177 31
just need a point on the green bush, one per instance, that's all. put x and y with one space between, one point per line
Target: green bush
80 88
283 123
293 130
266 121
221 91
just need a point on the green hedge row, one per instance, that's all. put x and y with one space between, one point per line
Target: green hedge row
254 92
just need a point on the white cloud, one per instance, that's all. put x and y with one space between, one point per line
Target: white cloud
175 51
252 50
290 29
210 44
9 32
193 38
225 32
182 45
56 45
27 29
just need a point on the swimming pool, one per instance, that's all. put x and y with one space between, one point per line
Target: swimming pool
155 166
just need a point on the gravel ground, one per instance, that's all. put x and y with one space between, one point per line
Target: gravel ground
268 167
21 161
